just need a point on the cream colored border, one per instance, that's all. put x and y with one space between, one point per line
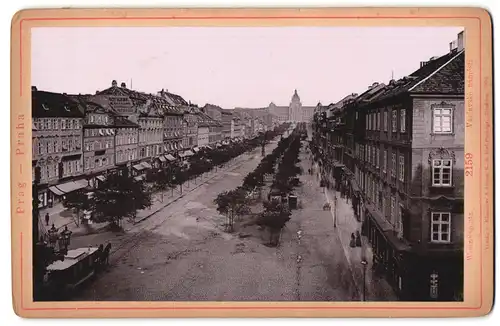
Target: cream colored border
478 188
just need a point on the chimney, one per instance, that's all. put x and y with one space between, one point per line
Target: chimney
123 85
461 41
96 92
114 83
33 89
422 63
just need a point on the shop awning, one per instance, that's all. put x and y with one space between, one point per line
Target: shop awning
196 149
207 146
162 158
218 145
170 157
139 178
101 178
56 191
188 153
138 167
146 165
68 187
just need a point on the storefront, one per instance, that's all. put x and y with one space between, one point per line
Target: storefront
389 252
58 191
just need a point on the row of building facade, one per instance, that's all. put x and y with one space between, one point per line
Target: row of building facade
78 139
398 151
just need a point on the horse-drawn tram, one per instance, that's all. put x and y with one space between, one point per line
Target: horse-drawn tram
78 266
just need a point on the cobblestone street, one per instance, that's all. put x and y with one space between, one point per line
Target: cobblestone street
182 253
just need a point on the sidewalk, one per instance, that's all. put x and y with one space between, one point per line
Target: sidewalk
377 288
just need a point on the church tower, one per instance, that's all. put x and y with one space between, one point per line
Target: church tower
295 108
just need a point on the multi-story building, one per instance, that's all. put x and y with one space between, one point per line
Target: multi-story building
150 139
126 142
227 123
216 130
402 154
295 111
191 127
236 127
204 123
173 122
98 142
56 144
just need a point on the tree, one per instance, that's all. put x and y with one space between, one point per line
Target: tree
163 181
232 203
78 201
274 217
120 196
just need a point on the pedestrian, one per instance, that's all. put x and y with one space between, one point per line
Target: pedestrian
358 239
47 219
352 243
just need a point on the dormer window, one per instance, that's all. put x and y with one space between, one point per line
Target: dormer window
45 107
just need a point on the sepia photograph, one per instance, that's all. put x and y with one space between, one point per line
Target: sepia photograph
291 163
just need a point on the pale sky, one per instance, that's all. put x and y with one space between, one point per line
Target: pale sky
228 66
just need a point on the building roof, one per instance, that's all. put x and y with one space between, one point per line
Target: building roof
173 99
164 103
205 120
48 104
448 68
122 122
448 79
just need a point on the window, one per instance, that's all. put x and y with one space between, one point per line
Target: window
393 167
386 121
369 154
393 210
440 227
401 168
442 120
377 158
49 122
402 121
399 222
50 146
39 147
378 121
384 166
56 124
394 121
63 124
441 172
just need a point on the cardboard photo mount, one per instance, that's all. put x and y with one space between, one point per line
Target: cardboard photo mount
478 210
